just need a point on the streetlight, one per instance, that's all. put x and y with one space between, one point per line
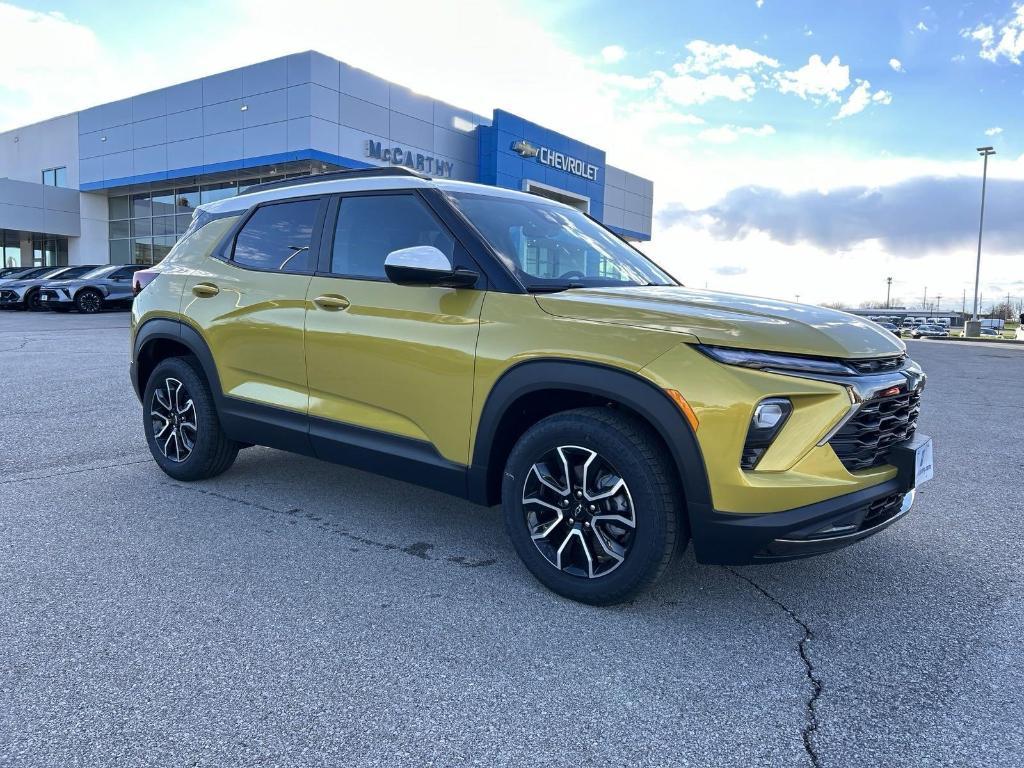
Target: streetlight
888 290
984 152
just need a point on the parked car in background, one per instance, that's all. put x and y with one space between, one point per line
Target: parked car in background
10 274
990 332
929 331
891 328
102 287
23 293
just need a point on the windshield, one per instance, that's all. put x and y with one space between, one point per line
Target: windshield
553 247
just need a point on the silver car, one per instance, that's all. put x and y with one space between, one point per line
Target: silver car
102 287
11 274
23 293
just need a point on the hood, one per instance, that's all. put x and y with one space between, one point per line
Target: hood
728 319
20 283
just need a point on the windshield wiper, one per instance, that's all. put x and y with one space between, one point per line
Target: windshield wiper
552 287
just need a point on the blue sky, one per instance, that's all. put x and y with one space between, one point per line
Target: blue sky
797 148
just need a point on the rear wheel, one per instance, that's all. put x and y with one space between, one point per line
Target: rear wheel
591 505
88 301
180 419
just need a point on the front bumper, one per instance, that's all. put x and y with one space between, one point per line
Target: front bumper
741 539
10 298
54 297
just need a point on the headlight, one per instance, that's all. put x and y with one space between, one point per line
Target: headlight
769 417
749 358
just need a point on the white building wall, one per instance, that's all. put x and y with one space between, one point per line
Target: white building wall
92 247
26 151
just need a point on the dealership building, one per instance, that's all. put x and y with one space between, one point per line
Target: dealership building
118 182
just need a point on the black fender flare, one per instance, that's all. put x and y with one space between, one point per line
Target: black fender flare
617 385
182 333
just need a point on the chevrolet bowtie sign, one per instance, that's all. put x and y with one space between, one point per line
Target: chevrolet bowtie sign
558 160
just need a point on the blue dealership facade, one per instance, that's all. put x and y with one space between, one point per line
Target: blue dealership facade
118 182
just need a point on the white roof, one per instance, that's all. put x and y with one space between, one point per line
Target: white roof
364 184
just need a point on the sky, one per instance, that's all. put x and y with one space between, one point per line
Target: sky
800 150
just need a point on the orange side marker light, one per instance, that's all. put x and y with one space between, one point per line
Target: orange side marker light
684 406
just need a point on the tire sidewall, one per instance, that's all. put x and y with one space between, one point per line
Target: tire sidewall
186 371
652 533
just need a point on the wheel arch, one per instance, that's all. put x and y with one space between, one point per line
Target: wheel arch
511 408
160 338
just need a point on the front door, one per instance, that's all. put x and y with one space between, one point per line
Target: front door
250 304
389 366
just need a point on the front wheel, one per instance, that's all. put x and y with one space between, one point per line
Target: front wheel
32 302
181 423
591 505
89 302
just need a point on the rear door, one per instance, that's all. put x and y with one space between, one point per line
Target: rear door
249 302
393 361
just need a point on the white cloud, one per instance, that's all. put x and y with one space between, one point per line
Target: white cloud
727 134
759 3
1008 44
860 98
921 27
612 54
816 79
994 131
687 90
958 58
707 57
897 65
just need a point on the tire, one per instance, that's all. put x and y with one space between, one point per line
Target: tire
178 385
88 301
624 450
32 302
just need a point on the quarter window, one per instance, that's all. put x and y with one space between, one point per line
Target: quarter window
372 226
278 237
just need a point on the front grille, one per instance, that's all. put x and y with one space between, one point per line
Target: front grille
877 364
8 296
866 438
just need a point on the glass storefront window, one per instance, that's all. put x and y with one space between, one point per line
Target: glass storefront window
142 205
142 227
163 202
163 225
211 192
119 229
62 177
187 199
119 208
120 251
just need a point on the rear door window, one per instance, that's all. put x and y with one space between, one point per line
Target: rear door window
278 237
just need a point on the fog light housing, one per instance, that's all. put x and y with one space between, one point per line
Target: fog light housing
769 417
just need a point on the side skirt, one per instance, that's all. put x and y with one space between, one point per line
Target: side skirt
400 458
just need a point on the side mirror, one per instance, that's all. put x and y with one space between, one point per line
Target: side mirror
425 265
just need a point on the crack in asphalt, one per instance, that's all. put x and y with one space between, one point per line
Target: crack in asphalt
420 549
73 472
811 705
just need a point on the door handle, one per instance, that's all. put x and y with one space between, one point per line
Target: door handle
205 290
331 301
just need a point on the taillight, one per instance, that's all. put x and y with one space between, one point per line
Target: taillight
142 278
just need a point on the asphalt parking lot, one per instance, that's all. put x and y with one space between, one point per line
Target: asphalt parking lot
292 612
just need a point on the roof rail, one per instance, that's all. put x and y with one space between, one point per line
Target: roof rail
357 173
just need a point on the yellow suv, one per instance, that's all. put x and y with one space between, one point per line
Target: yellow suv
503 347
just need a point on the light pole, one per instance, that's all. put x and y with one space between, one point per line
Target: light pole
984 152
888 290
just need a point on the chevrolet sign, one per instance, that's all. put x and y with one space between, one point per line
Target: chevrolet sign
558 160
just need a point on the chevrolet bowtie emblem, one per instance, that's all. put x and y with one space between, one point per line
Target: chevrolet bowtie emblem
525 148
